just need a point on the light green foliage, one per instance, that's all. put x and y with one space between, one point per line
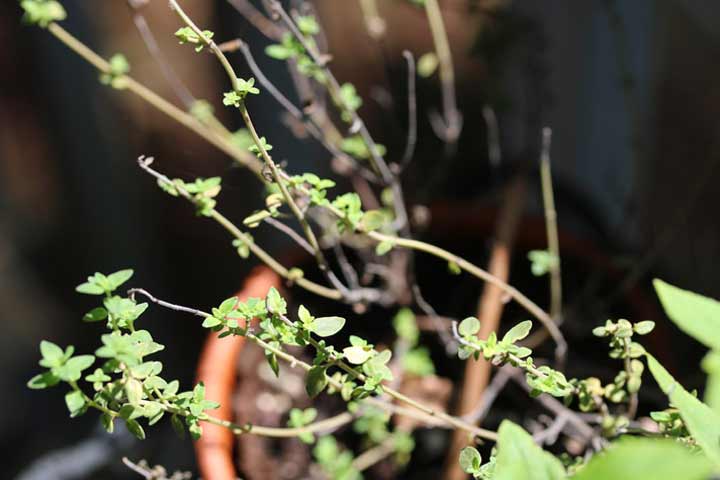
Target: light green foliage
471 463
519 457
701 421
356 147
427 64
373 423
656 459
300 418
349 101
291 48
406 327
203 192
336 463
242 139
243 88
542 262
307 25
694 314
100 284
711 366
42 12
351 207
189 36
119 67
383 247
125 385
263 146
541 379
203 111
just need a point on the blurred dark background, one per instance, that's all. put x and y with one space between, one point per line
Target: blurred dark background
630 88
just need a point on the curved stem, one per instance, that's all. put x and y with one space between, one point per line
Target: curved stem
328 425
514 293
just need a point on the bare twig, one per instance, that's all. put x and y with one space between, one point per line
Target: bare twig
374 455
551 227
374 23
257 19
290 233
176 84
448 127
412 111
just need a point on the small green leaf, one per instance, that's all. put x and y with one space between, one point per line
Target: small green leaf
275 303
644 327
95 315
356 355
135 428
469 326
518 332
75 402
89 289
470 460
211 322
52 354
427 64
372 220
118 278
134 391
327 326
43 380
384 247
178 425
316 381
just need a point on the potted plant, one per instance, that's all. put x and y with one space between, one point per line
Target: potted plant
365 258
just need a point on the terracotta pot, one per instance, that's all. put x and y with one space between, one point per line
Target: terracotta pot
216 368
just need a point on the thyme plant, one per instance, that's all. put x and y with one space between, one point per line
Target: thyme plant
122 380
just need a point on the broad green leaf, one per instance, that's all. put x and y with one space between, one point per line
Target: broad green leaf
383 247
518 332
701 421
469 326
316 381
519 458
327 326
694 314
638 458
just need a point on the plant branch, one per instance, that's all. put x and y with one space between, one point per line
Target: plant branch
452 124
514 293
551 227
222 142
